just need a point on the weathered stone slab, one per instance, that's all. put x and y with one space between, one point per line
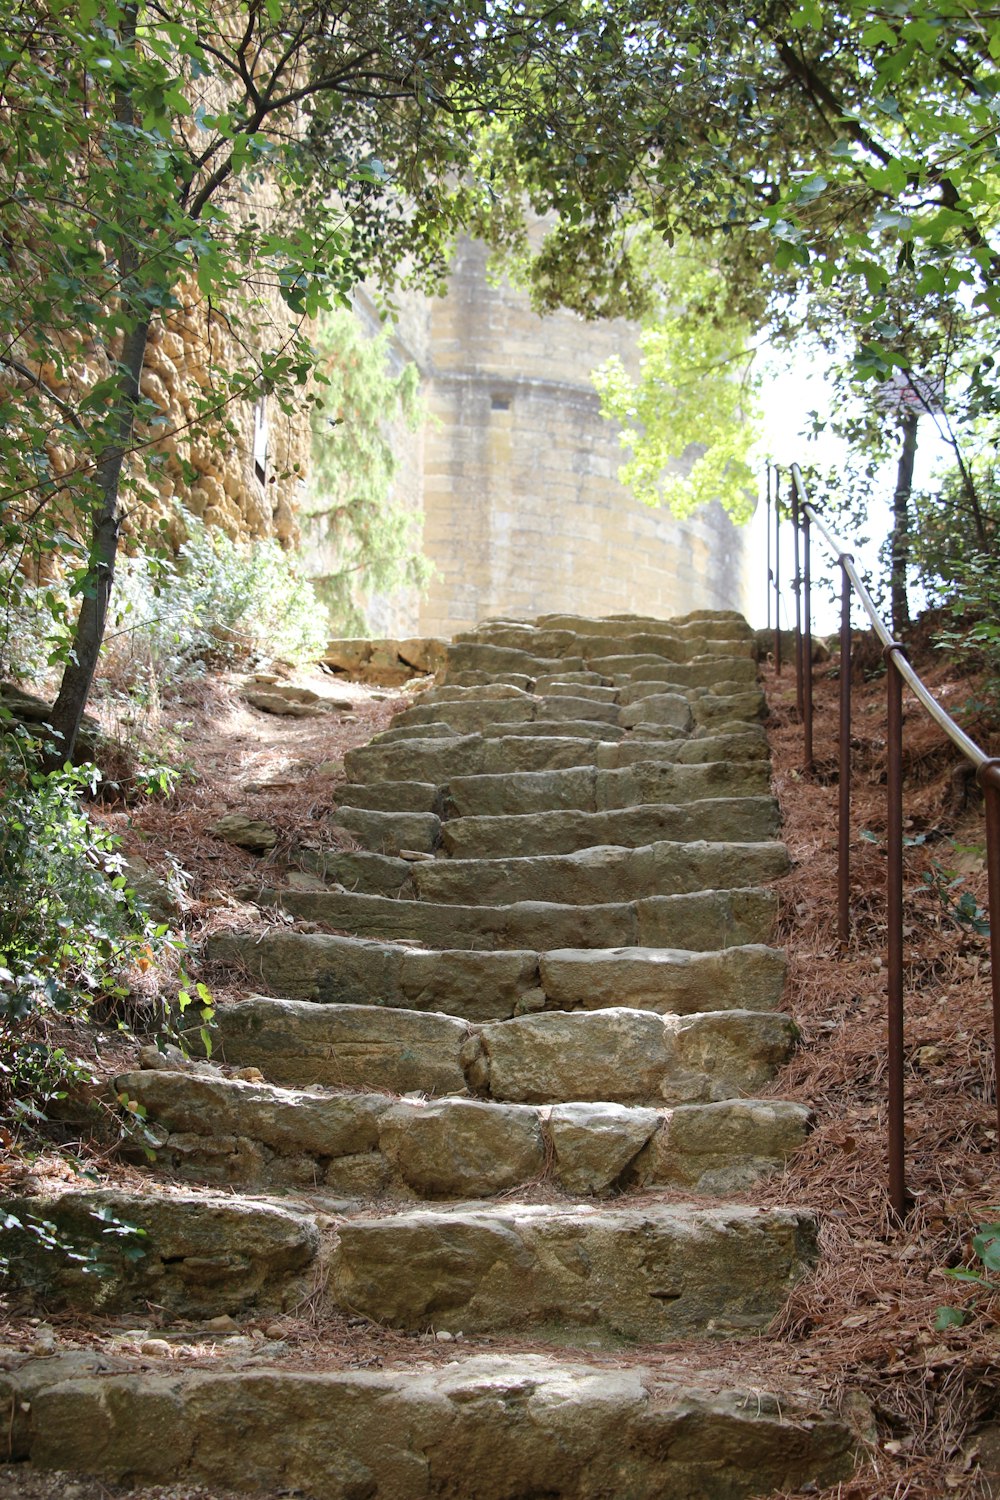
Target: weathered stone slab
390 796
669 781
316 966
469 755
722 1148
588 729
556 681
652 779
453 1148
388 832
748 744
476 986
256 1135
478 656
704 919
655 1273
561 832
586 686
704 671
200 1254
523 924
627 1056
472 985
469 713
716 708
669 709
594 1144
524 792
750 977
435 730
603 873
578 1431
298 1044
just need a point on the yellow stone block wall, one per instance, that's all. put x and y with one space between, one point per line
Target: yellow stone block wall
523 510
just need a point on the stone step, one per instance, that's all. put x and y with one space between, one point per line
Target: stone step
391 796
700 921
575 1272
700 671
388 832
708 624
562 832
189 1254
588 789
470 714
589 653
602 1274
596 875
258 1135
575 1430
480 985
618 1056
422 761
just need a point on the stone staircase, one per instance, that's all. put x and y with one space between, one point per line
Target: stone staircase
501 1093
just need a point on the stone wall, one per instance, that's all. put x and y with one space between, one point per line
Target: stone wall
523 511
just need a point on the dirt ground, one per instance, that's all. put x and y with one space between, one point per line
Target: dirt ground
861 1331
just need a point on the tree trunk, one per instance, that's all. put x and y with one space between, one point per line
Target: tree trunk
78 676
899 542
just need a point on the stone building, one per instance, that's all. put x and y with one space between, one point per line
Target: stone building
516 474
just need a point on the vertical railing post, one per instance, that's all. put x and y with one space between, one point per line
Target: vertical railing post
894 917
770 575
797 586
989 779
844 784
807 655
777 572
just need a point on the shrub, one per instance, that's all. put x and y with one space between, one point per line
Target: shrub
69 923
222 603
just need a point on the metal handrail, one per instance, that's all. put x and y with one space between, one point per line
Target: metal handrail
899 670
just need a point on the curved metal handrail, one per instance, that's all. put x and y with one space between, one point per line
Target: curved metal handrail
899 670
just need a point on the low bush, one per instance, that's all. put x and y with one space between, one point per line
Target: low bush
221 604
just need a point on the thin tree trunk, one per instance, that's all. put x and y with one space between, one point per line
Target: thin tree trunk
78 676
899 545
116 441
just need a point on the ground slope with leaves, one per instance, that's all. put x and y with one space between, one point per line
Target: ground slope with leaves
864 1327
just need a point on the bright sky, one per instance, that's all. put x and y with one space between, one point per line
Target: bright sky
788 397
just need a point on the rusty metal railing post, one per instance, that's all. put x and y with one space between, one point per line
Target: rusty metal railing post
844 784
797 586
777 572
807 655
894 918
767 528
988 777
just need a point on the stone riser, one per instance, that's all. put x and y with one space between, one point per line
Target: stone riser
744 819
590 877
749 819
443 760
700 922
619 1055
486 986
575 1431
226 1132
575 1272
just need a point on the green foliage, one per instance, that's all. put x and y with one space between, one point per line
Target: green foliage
115 1240
960 905
986 1248
69 925
689 417
373 543
222 604
975 610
